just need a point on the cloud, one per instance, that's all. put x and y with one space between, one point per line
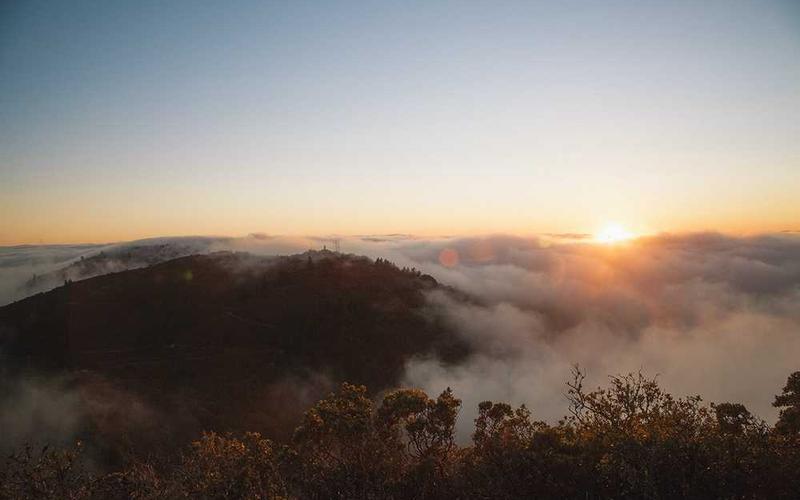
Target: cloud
37 411
30 269
709 314
47 409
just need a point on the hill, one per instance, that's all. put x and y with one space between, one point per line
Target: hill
225 341
87 261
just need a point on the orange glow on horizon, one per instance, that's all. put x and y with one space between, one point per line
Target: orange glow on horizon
613 233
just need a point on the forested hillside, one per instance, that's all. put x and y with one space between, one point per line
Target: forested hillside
222 341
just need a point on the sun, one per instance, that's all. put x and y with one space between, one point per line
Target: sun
613 233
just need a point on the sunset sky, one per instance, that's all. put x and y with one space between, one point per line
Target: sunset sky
128 120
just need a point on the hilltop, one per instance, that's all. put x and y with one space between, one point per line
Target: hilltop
225 341
97 260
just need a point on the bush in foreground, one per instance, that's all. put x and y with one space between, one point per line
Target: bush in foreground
627 440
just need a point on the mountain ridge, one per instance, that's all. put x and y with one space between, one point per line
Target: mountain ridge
214 338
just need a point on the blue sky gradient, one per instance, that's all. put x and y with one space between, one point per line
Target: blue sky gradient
131 119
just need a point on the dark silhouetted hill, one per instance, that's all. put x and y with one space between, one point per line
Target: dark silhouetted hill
116 258
225 341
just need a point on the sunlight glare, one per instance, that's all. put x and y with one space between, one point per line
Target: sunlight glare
613 233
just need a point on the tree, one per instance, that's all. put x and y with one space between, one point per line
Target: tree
629 439
789 403
427 426
642 441
785 475
342 451
223 466
49 474
348 448
736 452
732 418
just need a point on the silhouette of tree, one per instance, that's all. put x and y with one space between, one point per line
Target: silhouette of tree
789 403
629 439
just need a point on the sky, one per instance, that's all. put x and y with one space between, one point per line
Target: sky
124 120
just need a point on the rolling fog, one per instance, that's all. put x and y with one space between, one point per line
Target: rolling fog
708 314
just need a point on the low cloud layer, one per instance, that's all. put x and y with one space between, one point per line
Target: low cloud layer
709 314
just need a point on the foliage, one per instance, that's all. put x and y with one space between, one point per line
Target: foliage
347 448
629 439
226 467
342 451
789 403
47 474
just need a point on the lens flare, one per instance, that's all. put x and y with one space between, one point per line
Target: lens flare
448 257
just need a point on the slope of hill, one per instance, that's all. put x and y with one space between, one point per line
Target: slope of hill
226 340
97 260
